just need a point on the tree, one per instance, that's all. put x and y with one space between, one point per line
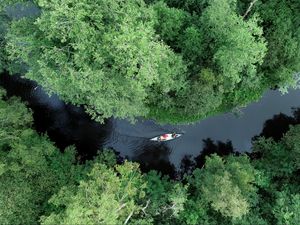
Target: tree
104 197
171 22
31 168
101 54
287 209
166 198
118 194
282 32
227 187
223 53
14 119
279 159
278 164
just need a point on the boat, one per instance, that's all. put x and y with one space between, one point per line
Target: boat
165 137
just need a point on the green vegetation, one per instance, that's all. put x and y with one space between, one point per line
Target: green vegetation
170 60
101 54
3 28
173 61
282 32
31 168
42 185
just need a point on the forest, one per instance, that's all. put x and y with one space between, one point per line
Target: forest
171 61
42 185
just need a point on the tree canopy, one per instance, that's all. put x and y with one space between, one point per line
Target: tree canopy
31 168
169 60
282 32
173 61
39 184
101 54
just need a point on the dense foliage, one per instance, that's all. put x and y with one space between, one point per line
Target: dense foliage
171 60
282 32
42 185
31 168
3 29
174 61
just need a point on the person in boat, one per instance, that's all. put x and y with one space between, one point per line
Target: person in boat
164 137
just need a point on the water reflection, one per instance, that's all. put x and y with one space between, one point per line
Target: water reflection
65 124
210 147
279 124
189 163
274 128
22 9
155 156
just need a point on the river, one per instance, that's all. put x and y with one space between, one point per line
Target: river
66 125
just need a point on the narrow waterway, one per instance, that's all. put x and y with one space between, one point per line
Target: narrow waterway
70 125
239 129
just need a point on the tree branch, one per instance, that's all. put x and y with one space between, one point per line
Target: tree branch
144 208
249 8
129 216
121 207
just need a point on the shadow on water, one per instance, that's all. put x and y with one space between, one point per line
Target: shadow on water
65 124
155 156
189 163
277 126
210 147
273 128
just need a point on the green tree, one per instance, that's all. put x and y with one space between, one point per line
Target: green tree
223 52
31 168
287 209
282 32
280 159
227 187
237 47
101 54
171 22
116 195
166 198
108 196
279 166
14 119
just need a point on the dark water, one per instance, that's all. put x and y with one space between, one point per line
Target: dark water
70 125
239 130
